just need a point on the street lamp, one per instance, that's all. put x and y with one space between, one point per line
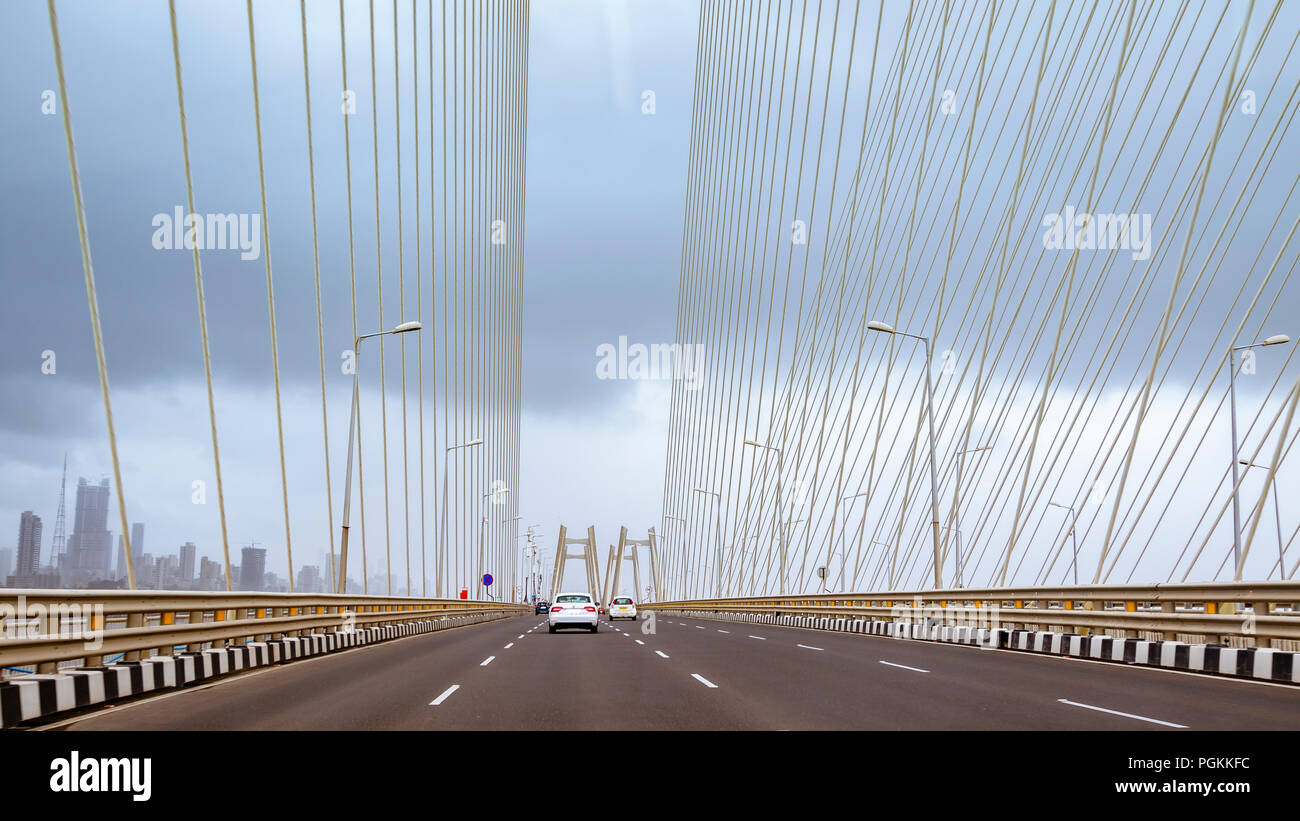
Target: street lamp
682 521
447 458
1278 514
1073 538
844 556
405 327
1276 339
781 536
717 541
482 588
929 407
956 512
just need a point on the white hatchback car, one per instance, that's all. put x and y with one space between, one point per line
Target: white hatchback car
622 608
574 610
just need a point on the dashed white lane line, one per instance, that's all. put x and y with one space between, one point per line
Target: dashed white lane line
511 644
702 680
760 638
521 635
806 647
697 627
638 641
487 661
1125 715
724 631
440 699
661 653
905 667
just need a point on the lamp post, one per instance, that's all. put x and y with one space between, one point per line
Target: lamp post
1276 339
844 556
681 521
405 327
447 458
1277 512
929 407
781 536
482 588
956 513
1073 538
717 540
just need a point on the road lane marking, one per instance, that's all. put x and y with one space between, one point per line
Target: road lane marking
440 699
521 635
760 638
905 667
1126 715
638 641
724 631
511 644
487 661
697 627
662 653
806 647
702 680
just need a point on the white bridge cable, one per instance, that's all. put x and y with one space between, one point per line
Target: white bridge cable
1053 453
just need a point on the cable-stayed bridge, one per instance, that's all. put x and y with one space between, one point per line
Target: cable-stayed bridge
995 310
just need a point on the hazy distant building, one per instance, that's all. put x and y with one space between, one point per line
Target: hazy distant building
120 569
185 575
29 544
309 580
6 562
89 545
210 575
252 568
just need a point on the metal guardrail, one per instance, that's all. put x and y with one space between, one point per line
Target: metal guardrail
45 627
1250 613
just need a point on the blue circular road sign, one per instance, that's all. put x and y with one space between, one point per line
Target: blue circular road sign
487 579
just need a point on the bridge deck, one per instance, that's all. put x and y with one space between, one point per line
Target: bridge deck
618 679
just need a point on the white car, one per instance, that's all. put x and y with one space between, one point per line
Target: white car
622 608
573 610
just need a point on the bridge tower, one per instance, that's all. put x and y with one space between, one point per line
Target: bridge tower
588 556
627 551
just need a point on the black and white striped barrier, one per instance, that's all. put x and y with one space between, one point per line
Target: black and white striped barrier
1262 663
36 696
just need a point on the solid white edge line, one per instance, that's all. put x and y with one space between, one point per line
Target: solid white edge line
1126 715
487 661
662 653
440 699
905 667
702 680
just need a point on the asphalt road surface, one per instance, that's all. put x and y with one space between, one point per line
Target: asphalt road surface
700 674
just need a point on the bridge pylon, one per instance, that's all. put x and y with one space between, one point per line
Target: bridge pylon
627 551
588 557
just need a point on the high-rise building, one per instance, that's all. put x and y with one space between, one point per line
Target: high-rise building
211 576
137 538
185 575
6 562
89 545
29 544
252 568
309 580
